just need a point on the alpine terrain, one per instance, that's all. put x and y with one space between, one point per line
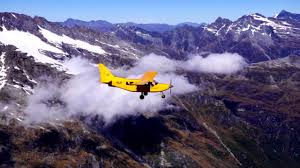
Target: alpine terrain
246 118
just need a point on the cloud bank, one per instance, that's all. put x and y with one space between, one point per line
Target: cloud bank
85 95
225 63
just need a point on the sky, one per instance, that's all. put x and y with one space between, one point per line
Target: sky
147 11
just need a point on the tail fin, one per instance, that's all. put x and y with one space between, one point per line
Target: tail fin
105 74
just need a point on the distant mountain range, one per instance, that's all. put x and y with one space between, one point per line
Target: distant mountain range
247 119
102 25
255 36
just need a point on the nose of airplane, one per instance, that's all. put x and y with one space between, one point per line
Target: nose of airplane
171 86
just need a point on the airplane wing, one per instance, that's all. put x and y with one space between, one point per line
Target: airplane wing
147 77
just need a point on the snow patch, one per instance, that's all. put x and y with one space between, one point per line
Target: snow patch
5 108
122 49
15 86
27 89
19 119
17 68
229 28
214 31
284 25
2 71
14 15
142 34
58 40
30 44
218 32
27 76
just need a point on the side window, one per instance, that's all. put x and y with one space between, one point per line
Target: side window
129 83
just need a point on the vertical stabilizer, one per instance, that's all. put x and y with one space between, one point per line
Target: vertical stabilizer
105 74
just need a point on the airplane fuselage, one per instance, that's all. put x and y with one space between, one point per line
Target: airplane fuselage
132 85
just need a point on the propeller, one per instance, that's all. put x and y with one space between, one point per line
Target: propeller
171 86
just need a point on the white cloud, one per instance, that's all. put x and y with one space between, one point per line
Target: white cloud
215 63
84 94
78 65
225 63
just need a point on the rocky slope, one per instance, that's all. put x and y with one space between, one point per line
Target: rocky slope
261 121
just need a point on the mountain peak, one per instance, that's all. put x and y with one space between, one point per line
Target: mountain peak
257 15
284 12
9 15
193 24
70 20
93 24
219 23
223 20
288 15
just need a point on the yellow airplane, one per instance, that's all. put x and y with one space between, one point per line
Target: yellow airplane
144 85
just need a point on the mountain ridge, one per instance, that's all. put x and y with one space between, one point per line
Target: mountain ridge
105 26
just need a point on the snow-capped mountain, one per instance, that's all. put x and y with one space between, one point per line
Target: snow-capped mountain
34 47
51 44
255 37
51 39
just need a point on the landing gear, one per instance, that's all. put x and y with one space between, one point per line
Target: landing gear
141 96
163 95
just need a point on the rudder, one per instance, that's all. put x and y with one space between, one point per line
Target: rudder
105 74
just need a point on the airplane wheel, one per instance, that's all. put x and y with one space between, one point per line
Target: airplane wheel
141 96
163 96
145 93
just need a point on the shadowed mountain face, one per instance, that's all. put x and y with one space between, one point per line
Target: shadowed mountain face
285 15
246 119
99 25
263 101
